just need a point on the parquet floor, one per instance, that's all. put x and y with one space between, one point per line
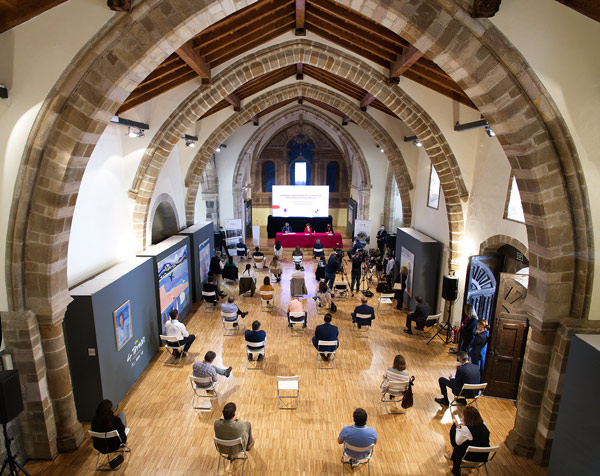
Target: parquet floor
168 437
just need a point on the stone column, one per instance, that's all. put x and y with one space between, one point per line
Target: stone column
22 338
364 198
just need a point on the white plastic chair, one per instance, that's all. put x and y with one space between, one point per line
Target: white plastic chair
396 389
201 391
384 302
341 289
229 319
106 436
241 455
171 344
255 350
477 388
430 323
297 319
347 459
318 252
258 260
320 360
468 464
364 329
288 387
210 305
267 304
241 252
297 259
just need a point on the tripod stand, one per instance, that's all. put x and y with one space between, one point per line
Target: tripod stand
446 326
11 461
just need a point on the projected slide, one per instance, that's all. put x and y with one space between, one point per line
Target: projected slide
300 200
173 283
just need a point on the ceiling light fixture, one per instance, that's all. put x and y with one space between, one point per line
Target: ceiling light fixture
489 131
190 141
380 148
417 142
130 133
220 147
131 125
414 139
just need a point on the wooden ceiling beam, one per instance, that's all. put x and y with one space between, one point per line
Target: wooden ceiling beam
462 98
589 8
26 10
234 100
403 62
189 55
300 17
299 71
366 100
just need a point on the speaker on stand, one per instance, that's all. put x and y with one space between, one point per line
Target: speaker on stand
11 404
450 294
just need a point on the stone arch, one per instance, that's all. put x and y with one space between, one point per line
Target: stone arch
164 209
473 52
493 243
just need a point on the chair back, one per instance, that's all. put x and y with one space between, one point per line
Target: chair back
202 382
331 343
288 382
255 344
298 316
435 317
474 387
101 441
267 293
387 296
490 450
341 285
104 435
297 259
170 341
240 250
359 449
229 444
258 259
229 316
283 378
209 294
398 387
363 316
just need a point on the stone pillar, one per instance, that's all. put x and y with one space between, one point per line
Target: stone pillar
23 341
521 440
69 431
364 198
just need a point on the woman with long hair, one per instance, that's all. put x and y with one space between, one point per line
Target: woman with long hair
274 268
323 295
479 345
468 431
105 421
278 250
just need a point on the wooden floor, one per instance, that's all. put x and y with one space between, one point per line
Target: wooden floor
168 437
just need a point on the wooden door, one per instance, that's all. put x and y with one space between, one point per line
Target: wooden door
508 338
480 289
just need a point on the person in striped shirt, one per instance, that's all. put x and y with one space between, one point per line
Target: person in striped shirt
395 378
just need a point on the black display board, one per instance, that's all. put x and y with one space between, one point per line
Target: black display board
248 219
427 253
104 362
318 224
351 216
576 447
172 270
201 238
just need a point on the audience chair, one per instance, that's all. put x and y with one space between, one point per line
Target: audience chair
171 344
297 319
477 388
341 290
229 329
288 387
322 310
430 323
472 451
201 392
364 329
101 441
267 304
392 398
241 455
298 287
246 285
384 302
347 459
258 260
241 252
318 252
255 350
321 361
210 306
275 278
297 259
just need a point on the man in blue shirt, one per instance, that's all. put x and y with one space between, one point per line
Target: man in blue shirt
255 335
364 309
230 308
326 332
359 435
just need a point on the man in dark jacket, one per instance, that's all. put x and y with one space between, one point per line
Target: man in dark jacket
326 332
363 309
215 268
332 266
419 315
466 373
255 335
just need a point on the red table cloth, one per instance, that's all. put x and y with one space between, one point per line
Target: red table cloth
291 240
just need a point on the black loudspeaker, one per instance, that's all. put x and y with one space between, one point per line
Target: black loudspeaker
391 241
450 288
11 402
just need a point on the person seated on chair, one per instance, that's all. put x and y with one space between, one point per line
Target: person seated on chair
174 328
216 269
249 273
326 332
266 287
230 308
230 428
259 255
206 368
297 252
278 250
298 272
274 269
230 270
307 228
323 296
105 421
359 435
471 431
329 229
318 249
286 228
398 374
255 335
242 250
465 373
419 315
364 308
320 270
295 305
297 283
210 287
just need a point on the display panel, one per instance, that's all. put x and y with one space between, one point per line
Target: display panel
173 283
204 259
300 201
123 325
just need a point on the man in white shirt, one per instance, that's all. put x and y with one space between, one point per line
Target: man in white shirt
176 329
389 271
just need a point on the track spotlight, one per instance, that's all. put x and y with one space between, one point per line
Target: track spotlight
190 141
489 131
417 142
218 149
131 126
131 133
414 139
380 148
222 146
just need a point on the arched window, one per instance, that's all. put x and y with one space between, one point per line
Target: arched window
268 176
331 176
300 162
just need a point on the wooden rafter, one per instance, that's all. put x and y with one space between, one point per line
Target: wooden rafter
589 8
234 100
403 62
26 10
194 61
366 100
300 16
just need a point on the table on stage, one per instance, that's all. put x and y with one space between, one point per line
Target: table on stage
307 240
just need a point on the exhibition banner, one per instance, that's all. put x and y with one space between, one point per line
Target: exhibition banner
362 230
233 232
256 235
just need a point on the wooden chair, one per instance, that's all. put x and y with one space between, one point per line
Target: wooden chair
285 385
202 392
229 329
255 350
347 459
172 344
466 463
477 388
100 442
241 455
